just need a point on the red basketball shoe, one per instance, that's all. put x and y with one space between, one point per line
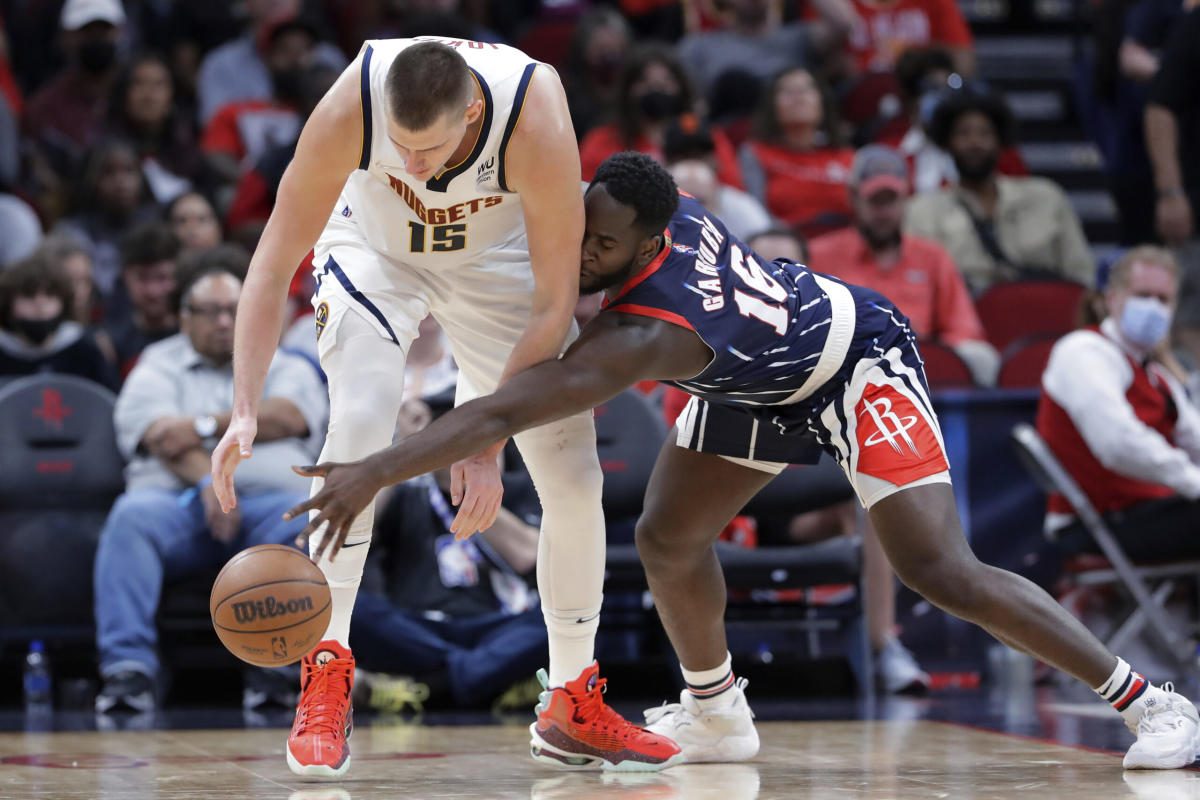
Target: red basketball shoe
319 744
576 729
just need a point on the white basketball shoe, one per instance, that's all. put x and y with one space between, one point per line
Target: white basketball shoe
1168 734
725 734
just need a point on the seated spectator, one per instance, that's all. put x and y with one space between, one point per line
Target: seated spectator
996 228
66 116
1122 424
599 47
254 196
914 273
143 110
168 523
238 70
36 334
654 90
73 259
457 615
776 243
149 256
882 32
924 76
240 132
757 43
794 162
113 198
1172 129
689 151
194 220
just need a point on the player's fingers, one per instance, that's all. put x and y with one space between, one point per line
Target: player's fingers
311 470
323 542
456 484
340 539
466 513
245 444
308 505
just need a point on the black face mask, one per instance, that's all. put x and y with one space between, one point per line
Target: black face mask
659 105
288 85
976 170
97 55
36 330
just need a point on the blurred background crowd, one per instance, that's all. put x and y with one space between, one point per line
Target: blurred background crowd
950 154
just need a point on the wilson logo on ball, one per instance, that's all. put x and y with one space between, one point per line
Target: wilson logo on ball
249 611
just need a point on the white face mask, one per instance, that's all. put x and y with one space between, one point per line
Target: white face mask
1145 321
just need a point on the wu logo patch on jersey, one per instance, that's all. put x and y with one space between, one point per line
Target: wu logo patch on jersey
321 318
895 440
486 171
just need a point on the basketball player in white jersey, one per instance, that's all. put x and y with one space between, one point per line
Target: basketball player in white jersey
440 176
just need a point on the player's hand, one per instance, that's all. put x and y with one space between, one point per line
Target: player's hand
234 446
1173 218
222 526
347 491
476 489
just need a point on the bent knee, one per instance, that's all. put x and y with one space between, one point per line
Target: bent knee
952 584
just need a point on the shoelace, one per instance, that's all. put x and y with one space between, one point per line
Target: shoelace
1157 719
320 713
592 710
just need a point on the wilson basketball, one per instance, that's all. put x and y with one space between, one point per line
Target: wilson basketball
270 605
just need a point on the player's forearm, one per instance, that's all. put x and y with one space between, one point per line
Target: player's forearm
259 321
542 340
1162 143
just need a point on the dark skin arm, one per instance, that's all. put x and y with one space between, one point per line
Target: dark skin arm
614 352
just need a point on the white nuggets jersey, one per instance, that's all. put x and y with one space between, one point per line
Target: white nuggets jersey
463 211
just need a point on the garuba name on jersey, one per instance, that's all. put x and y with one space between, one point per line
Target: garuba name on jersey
468 207
778 331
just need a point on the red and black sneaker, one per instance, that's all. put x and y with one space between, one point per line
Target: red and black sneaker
576 729
319 744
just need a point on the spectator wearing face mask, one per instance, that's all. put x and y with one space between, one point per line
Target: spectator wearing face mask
654 91
598 50
35 333
1121 423
67 115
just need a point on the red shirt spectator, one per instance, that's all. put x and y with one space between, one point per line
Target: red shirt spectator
889 27
246 129
923 282
806 189
602 142
794 162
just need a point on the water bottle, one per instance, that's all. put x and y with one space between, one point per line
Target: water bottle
38 688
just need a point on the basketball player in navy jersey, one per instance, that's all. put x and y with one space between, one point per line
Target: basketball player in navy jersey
440 176
782 363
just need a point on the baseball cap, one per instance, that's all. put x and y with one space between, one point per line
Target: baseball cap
687 137
78 13
877 167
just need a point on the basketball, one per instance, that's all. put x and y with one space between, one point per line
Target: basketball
270 605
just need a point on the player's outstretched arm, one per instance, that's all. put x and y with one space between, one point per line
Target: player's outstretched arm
614 352
327 152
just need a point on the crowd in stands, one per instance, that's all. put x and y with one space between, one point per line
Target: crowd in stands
142 144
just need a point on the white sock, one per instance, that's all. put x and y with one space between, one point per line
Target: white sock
343 576
1128 691
711 687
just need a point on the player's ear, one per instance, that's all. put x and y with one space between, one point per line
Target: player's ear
649 249
473 111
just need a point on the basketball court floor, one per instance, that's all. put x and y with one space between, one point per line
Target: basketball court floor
974 746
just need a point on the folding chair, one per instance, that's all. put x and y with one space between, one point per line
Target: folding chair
1148 586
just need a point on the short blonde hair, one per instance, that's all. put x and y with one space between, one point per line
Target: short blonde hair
1142 254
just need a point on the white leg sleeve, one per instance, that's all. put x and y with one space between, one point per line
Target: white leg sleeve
561 458
366 382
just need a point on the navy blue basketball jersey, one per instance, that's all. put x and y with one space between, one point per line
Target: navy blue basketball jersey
779 331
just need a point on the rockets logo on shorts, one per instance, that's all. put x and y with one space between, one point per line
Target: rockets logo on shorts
896 442
321 318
